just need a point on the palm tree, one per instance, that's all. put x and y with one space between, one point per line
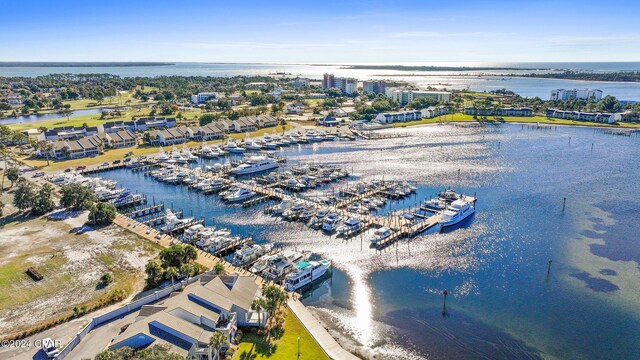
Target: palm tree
172 273
217 340
258 305
218 269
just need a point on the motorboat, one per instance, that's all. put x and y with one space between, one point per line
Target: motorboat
162 156
352 224
282 264
240 195
186 154
234 149
280 208
193 233
252 145
456 212
435 204
380 234
330 223
172 222
249 253
305 272
255 164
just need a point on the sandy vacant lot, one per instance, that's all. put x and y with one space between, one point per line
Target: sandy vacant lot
71 258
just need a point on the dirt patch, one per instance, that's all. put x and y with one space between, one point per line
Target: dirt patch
71 257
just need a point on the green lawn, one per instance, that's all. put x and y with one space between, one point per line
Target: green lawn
459 117
254 347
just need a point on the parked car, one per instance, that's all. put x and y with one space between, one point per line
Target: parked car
81 167
38 174
68 170
116 161
106 163
127 160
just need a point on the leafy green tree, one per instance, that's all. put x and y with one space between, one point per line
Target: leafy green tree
206 119
154 273
171 273
43 202
77 197
13 174
274 298
106 279
24 196
44 147
422 103
102 214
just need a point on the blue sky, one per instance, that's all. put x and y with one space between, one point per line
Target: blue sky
319 32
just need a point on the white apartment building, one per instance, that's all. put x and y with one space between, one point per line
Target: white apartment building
203 97
406 96
576 94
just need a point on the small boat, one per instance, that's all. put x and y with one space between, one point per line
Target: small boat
252 145
172 222
435 204
456 212
380 234
162 157
352 224
305 272
330 223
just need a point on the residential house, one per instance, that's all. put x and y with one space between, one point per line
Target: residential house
76 148
210 131
584 116
295 108
15 99
120 139
266 120
186 320
68 132
170 136
329 121
399 116
244 124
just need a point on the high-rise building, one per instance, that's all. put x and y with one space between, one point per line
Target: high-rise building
347 85
375 87
576 94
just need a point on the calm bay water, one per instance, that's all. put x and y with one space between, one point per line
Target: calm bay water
440 79
502 304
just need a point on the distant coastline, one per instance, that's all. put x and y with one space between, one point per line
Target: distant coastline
433 68
79 64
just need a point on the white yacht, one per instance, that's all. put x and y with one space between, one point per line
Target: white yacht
435 204
193 233
330 223
262 263
172 222
249 253
162 156
252 145
187 155
234 149
281 208
255 164
282 264
352 224
381 234
306 272
456 212
240 195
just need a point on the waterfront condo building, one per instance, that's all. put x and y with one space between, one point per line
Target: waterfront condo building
203 97
347 85
406 96
375 87
576 94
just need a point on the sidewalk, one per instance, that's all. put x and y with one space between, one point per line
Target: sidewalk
326 341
